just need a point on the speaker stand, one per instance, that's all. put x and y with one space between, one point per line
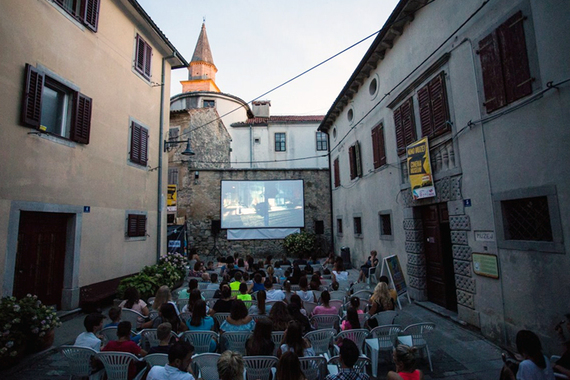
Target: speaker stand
215 251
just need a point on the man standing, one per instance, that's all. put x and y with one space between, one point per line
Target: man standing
179 359
348 357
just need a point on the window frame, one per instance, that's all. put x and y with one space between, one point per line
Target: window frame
355 160
433 107
323 141
88 14
138 144
385 213
31 107
136 225
357 225
210 101
173 176
281 143
142 62
339 227
550 192
378 146
405 131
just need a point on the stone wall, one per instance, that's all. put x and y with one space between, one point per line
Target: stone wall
199 201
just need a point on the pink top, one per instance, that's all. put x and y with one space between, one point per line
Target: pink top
324 310
410 376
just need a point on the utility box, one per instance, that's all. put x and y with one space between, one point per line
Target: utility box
345 255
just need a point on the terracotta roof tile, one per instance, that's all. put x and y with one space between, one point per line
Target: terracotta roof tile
284 119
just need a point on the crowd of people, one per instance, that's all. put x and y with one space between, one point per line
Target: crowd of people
267 297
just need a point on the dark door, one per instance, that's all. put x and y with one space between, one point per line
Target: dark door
41 255
440 279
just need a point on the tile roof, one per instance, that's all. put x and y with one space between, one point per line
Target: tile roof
284 119
203 53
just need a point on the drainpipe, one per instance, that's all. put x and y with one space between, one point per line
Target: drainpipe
160 195
331 184
250 146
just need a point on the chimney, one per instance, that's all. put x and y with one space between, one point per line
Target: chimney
261 108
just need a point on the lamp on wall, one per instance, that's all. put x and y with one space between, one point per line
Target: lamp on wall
187 152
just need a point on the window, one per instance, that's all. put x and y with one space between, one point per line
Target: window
336 166
405 125
173 176
357 225
385 222
52 107
378 147
136 225
280 142
85 11
528 219
209 104
139 144
355 162
143 57
504 64
173 133
322 141
339 226
432 102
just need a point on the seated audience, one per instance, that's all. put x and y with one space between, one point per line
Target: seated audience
279 316
348 357
162 296
224 304
125 344
257 283
260 343
163 335
405 360
243 293
380 301
273 294
393 292
293 341
185 293
93 324
234 285
238 320
230 366
197 270
201 321
210 266
305 293
114 316
299 314
133 301
260 307
213 285
371 262
287 291
195 295
289 367
167 313
325 307
535 365
338 273
179 360
351 321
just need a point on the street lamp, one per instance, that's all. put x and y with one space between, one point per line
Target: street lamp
187 152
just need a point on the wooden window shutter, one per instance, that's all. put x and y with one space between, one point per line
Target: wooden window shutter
135 143
132 225
81 127
336 173
491 68
91 14
439 107
358 159
375 148
144 147
381 146
516 71
147 59
352 161
408 122
32 100
140 54
141 225
424 102
400 142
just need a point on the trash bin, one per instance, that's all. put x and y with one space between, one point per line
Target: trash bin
345 255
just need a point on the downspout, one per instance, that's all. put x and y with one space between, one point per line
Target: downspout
331 184
250 146
160 195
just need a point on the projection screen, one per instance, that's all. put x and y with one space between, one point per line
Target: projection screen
262 204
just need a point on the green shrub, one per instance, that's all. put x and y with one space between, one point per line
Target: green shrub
300 244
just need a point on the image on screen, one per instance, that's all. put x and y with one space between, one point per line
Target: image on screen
262 204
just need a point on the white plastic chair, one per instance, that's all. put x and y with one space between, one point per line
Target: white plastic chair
321 340
208 293
235 340
309 307
358 336
277 337
117 364
325 321
554 359
132 316
385 317
363 294
373 273
108 334
359 286
156 359
333 364
185 316
200 340
338 295
259 367
221 317
383 338
313 367
79 360
149 338
180 303
257 317
417 332
203 285
337 304
207 366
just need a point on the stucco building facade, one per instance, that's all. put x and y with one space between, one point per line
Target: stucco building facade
83 113
489 88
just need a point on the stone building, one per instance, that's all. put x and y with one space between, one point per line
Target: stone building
489 89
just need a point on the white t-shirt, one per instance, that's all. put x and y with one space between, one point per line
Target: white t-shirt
88 339
340 276
306 296
168 373
274 295
530 371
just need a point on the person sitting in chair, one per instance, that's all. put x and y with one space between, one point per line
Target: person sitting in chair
179 359
348 357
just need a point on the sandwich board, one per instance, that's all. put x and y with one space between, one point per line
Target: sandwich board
396 276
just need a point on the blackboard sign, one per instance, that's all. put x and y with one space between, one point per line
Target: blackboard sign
396 276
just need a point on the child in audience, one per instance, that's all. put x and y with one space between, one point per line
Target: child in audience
243 292
125 344
163 333
351 321
405 359
114 316
535 365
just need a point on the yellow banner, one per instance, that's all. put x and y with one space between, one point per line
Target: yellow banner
419 169
171 197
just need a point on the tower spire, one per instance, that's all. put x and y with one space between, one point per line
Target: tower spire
202 70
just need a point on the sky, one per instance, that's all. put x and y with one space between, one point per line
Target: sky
258 45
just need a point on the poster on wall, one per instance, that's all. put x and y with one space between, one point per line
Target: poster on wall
391 265
419 169
171 199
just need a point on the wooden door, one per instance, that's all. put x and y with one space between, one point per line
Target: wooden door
41 256
440 278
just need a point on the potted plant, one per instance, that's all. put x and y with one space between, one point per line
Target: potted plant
39 322
12 338
300 244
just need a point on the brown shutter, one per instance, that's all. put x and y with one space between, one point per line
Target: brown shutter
32 100
381 146
375 148
516 71
491 68
81 127
358 159
352 160
400 142
408 123
424 102
141 225
144 146
336 173
132 225
439 108
139 59
135 143
91 14
147 59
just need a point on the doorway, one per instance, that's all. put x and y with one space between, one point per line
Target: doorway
440 277
40 256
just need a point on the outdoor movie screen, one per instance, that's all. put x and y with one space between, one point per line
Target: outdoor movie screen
262 204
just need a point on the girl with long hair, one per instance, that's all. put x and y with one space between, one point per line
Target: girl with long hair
201 321
279 316
324 307
289 367
162 296
260 342
133 301
296 311
287 290
351 321
261 308
293 341
535 365
380 299
195 295
238 320
305 293
405 360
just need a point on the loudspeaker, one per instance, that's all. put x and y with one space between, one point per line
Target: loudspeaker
216 227
345 254
319 227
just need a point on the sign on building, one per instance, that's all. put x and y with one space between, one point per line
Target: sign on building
419 169
171 199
